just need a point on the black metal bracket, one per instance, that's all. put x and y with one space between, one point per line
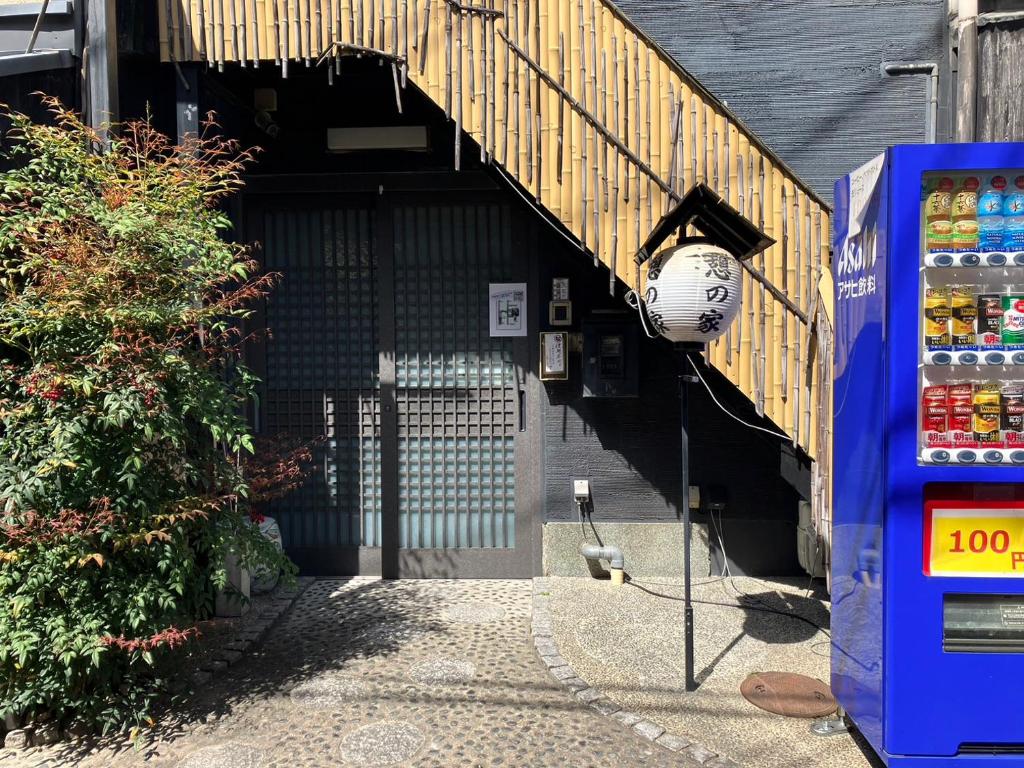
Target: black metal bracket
717 221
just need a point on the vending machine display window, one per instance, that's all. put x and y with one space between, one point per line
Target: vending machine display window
972 317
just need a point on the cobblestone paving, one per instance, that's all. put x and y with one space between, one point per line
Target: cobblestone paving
378 673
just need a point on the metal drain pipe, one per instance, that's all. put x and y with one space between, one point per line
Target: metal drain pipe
611 553
930 68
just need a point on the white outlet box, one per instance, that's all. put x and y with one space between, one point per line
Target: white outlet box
581 490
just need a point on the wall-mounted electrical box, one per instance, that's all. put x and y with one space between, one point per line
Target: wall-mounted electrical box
611 356
581 490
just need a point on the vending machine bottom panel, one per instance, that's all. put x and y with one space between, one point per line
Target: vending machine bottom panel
1013 758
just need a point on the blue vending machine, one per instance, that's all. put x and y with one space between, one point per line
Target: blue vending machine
928 488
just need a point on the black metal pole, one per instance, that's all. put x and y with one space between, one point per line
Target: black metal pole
685 377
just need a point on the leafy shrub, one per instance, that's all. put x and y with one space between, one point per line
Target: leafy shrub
122 397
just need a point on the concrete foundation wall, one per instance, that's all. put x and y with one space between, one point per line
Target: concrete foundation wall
650 549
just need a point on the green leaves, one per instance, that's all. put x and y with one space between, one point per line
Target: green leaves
121 402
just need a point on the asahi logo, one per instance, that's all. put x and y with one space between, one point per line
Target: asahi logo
856 265
858 255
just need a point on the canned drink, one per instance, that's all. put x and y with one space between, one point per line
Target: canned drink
1013 321
988 412
964 312
989 321
961 414
935 416
937 312
1013 413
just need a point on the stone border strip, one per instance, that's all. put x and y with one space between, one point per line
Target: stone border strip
547 649
250 633
247 636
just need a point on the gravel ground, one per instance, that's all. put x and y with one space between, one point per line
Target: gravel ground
627 642
372 673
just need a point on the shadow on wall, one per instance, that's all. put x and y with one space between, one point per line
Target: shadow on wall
629 449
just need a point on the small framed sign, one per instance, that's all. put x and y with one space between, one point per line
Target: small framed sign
554 356
507 309
560 289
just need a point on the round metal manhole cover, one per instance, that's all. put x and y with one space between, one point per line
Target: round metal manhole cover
789 694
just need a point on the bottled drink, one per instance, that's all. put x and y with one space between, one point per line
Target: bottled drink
1013 216
965 215
938 209
990 214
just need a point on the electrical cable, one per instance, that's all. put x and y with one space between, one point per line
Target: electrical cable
814 562
728 412
742 607
634 301
719 527
720 534
727 576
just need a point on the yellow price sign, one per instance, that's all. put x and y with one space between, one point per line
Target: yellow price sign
975 542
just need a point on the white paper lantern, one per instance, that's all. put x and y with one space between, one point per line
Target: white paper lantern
693 292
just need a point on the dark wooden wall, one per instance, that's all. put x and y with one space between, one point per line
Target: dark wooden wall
1001 82
629 447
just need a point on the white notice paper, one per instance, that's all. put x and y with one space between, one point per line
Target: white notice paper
553 356
508 309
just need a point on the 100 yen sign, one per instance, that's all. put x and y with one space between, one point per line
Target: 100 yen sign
973 542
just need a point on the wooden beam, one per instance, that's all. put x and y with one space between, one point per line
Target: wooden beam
101 64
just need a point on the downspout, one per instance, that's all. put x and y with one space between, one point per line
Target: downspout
930 68
608 552
99 59
967 70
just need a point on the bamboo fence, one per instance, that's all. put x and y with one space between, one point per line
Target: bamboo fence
603 129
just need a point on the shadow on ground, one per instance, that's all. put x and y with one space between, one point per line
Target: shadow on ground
332 624
628 643
443 669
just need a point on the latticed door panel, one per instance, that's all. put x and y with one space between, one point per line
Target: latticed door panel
456 387
322 374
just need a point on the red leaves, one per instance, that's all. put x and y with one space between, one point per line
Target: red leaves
278 466
34 528
171 638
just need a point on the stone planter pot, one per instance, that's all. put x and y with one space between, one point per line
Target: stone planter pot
233 600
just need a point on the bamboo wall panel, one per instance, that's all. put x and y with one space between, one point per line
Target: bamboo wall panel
593 121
